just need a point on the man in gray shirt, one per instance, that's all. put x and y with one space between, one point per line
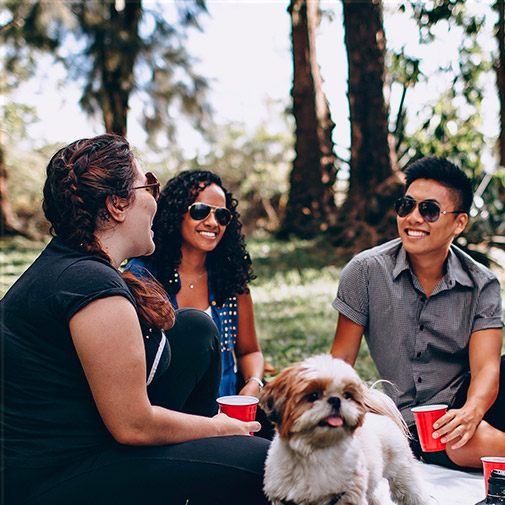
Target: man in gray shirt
431 316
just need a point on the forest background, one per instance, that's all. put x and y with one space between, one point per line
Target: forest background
361 89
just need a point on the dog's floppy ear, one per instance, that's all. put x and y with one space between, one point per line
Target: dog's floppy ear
275 394
271 403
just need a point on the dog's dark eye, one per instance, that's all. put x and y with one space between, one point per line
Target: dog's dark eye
347 395
312 397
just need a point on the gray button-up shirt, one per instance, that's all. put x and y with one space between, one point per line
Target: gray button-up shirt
419 344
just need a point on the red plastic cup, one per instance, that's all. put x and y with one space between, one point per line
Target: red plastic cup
425 416
491 463
240 407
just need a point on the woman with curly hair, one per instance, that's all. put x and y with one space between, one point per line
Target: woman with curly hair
202 262
108 394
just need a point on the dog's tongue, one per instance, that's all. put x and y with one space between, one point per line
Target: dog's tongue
335 421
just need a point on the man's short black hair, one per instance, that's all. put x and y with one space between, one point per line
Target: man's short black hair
446 173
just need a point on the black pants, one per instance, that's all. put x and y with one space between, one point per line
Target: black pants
210 471
495 416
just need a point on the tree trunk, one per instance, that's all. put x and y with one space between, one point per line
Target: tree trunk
115 46
367 217
117 71
500 76
311 196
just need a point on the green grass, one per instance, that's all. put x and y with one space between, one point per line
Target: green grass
296 283
295 286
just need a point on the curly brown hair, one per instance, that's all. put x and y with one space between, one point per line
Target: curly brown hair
80 178
229 264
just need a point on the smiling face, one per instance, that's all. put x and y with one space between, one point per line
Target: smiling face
204 235
419 237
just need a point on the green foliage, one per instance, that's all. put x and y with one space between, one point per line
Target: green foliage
487 217
26 167
16 118
450 124
28 29
446 133
93 38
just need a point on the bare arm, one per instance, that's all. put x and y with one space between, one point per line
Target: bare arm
108 340
347 339
459 425
247 349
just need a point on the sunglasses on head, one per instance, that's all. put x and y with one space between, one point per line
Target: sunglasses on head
152 186
200 211
429 210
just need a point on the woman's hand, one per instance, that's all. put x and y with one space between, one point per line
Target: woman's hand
231 426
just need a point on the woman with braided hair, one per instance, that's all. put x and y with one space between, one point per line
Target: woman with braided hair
87 351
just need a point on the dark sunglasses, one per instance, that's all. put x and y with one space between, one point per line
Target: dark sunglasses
429 210
200 211
153 186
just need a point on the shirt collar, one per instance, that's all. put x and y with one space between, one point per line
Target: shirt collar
402 263
454 274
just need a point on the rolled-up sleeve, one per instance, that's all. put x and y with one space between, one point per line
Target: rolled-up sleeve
352 296
489 312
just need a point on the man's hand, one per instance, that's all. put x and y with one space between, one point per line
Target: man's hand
457 425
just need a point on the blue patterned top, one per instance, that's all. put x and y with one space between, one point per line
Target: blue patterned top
225 318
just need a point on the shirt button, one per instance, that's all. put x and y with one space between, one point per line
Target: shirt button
419 380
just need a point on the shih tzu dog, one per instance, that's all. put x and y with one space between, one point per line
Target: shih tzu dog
335 439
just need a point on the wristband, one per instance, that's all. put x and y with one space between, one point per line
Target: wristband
256 379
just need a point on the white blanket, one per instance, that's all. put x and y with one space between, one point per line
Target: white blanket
446 487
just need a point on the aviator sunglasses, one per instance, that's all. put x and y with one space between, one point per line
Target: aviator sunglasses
429 210
200 211
152 186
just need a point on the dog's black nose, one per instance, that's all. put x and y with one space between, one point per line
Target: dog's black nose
334 401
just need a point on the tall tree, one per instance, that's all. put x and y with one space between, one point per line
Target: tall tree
121 48
366 217
311 196
114 45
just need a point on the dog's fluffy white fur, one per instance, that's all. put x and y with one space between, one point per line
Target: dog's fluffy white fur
335 435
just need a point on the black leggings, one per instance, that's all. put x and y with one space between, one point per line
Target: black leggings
495 416
209 471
